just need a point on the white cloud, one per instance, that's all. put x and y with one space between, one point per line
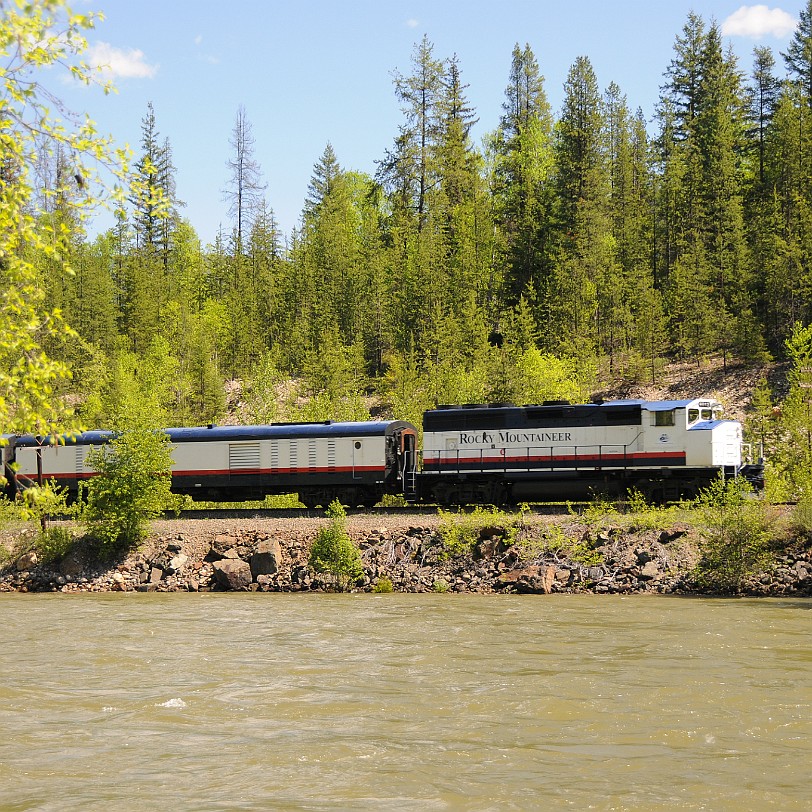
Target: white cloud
122 63
198 39
758 21
412 23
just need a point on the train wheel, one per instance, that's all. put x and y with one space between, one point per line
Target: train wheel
309 500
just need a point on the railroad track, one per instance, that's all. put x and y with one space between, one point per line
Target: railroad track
317 513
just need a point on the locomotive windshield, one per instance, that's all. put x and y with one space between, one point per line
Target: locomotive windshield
705 413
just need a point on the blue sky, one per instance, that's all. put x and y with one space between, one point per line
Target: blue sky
318 71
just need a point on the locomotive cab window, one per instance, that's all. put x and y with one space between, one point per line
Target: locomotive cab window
693 415
664 418
707 414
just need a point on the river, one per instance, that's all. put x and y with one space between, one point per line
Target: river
404 702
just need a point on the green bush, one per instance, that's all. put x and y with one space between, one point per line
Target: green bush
461 531
53 543
737 530
132 488
441 586
644 516
599 512
333 552
384 586
39 502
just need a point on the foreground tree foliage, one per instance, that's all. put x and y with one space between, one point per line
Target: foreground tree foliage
132 488
40 227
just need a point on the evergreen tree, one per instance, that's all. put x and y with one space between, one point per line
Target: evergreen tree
522 190
798 57
763 99
585 247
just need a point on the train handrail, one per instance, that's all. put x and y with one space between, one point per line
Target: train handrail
591 456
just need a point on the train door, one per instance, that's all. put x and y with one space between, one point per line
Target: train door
409 464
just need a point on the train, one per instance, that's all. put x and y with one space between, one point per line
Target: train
495 454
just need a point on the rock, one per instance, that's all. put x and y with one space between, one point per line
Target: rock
486 549
71 565
548 579
177 563
119 582
233 573
672 535
27 561
155 575
513 576
174 547
650 570
267 558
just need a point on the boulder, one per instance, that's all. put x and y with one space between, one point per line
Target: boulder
71 564
27 561
267 559
177 562
650 570
233 573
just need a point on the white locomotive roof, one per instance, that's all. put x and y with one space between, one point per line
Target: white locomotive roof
665 405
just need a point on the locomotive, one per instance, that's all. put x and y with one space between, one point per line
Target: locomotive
667 450
474 454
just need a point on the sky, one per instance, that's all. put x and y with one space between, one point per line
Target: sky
318 71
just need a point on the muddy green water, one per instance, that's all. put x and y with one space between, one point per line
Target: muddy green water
388 702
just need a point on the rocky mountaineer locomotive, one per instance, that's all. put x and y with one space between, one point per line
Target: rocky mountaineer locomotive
555 451
476 454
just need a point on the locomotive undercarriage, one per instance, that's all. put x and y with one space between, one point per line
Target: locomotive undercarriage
656 487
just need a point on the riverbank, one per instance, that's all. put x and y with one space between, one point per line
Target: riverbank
541 555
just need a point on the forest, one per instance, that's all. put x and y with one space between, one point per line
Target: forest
566 250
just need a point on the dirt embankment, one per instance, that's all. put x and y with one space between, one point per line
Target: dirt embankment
271 556
731 384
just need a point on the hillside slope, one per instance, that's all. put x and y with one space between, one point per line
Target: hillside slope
732 385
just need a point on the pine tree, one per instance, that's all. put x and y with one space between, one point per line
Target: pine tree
763 99
523 194
798 57
585 248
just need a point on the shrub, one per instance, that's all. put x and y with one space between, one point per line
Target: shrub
441 586
333 552
645 516
599 512
737 532
461 531
132 487
384 586
53 543
41 501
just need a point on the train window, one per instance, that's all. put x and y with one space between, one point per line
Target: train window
693 415
357 444
664 418
707 414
